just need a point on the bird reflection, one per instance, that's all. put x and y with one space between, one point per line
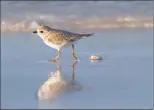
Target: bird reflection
58 83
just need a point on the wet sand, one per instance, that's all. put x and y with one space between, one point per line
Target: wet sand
123 79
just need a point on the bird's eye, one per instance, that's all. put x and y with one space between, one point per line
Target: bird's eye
41 31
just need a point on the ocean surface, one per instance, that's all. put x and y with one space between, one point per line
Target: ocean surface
123 37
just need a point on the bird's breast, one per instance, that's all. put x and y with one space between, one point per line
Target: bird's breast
50 44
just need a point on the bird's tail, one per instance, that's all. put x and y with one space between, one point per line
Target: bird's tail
86 35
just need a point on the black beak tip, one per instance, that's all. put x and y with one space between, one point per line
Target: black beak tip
34 31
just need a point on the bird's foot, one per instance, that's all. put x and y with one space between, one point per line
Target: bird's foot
77 60
53 60
74 56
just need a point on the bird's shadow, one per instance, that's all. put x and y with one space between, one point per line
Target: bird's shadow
58 84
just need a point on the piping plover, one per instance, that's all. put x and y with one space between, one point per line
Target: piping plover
58 39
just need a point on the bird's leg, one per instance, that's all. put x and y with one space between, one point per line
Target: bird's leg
73 67
59 54
58 65
73 52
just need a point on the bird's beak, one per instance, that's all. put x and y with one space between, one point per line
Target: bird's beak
35 32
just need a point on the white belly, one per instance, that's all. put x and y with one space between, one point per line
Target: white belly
58 47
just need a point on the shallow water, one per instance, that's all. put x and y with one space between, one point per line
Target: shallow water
123 79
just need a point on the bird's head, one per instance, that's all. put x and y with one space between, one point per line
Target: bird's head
42 31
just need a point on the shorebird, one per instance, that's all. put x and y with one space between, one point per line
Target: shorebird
59 39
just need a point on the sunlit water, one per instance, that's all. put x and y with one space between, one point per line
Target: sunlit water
123 79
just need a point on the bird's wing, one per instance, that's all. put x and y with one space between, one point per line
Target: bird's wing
65 35
61 36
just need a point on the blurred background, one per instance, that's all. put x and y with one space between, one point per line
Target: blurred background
76 15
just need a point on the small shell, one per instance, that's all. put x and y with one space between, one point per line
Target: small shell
94 61
93 57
